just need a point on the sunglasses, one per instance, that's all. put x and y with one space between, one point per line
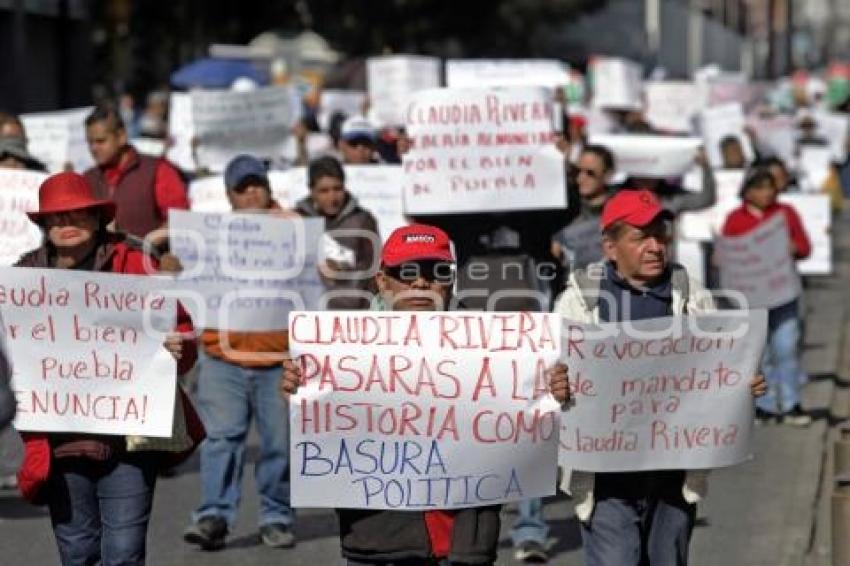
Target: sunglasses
432 271
589 172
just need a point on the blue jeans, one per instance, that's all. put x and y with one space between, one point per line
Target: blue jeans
530 525
646 531
228 396
781 360
100 510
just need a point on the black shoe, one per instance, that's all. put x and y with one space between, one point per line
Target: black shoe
531 552
208 533
277 535
797 417
763 417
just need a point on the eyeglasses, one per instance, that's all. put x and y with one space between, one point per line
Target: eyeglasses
432 271
589 172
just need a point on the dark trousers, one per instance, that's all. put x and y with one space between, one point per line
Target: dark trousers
640 519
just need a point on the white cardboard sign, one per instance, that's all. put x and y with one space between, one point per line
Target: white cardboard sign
393 79
57 138
418 411
672 105
617 83
650 156
228 123
246 272
759 265
87 351
719 122
665 393
18 194
478 73
480 150
181 130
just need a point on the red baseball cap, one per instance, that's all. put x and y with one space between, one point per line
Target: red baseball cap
634 207
416 242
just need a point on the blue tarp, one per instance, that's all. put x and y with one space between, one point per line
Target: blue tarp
216 73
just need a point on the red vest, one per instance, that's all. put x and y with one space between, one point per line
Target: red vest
135 195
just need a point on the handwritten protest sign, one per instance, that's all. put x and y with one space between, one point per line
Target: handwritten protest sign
246 272
436 410
228 123
478 73
815 212
480 150
719 123
672 105
348 102
617 83
57 138
18 194
759 265
393 78
776 135
650 156
665 393
181 130
87 351
727 88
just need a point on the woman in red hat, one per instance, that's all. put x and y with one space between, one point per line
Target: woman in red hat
99 494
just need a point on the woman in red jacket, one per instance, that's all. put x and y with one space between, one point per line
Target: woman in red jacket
99 494
781 362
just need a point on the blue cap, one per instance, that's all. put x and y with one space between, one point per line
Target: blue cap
240 168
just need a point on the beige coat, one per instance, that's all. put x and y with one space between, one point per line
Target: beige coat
573 304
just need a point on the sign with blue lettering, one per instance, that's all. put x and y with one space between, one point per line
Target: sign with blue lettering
422 411
246 272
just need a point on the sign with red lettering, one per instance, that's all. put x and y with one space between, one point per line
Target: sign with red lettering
18 194
482 150
759 265
650 156
425 410
664 393
86 350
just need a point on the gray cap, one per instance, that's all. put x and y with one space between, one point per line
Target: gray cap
16 147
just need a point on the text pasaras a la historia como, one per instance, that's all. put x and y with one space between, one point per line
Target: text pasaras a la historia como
43 294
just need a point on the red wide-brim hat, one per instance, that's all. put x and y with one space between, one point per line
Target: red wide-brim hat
65 192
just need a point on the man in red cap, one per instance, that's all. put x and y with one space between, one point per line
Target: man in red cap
629 515
416 274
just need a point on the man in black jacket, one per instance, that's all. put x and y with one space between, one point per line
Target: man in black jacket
415 275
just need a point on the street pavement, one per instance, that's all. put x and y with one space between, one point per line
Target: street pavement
772 510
